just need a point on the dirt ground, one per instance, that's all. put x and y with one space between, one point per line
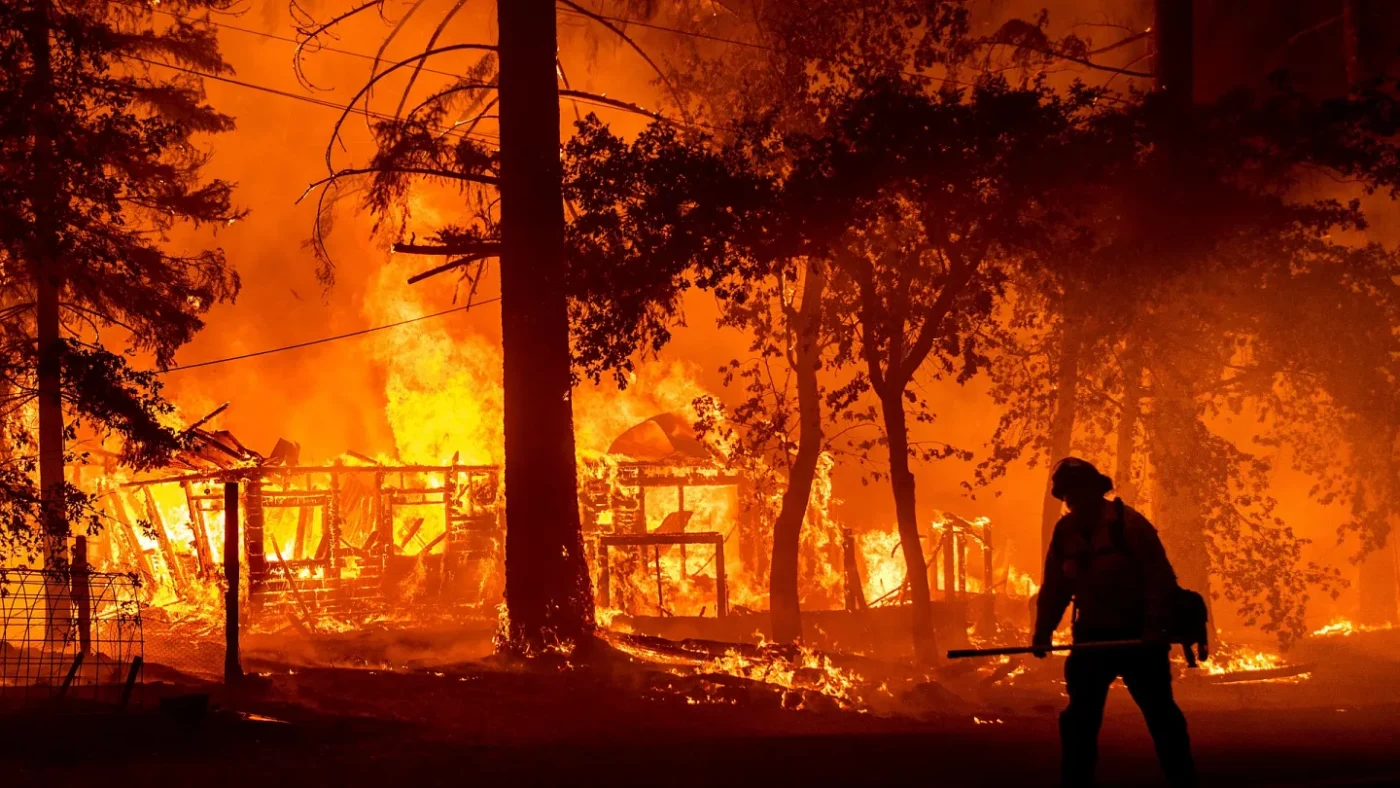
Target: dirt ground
483 721
356 727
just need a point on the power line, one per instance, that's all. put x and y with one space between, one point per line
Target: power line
275 37
750 44
297 96
324 340
731 41
675 30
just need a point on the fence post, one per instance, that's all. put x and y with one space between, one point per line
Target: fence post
82 599
232 670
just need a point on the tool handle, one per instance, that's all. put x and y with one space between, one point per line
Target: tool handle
1004 651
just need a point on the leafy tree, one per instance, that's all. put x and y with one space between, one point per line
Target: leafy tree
940 196
98 114
806 59
1221 267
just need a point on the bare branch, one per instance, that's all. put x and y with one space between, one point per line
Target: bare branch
485 249
612 102
635 47
369 85
311 36
449 266
432 42
485 180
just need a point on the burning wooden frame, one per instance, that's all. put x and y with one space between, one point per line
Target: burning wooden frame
342 539
656 538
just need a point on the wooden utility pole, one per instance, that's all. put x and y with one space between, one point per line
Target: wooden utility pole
548 594
233 669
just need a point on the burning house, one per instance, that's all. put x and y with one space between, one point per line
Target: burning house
679 544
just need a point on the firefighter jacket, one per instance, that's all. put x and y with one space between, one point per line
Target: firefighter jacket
1114 569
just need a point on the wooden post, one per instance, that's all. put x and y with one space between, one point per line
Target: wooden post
604 576
82 598
855 591
988 570
721 583
202 549
660 594
962 563
253 521
331 538
233 671
950 561
449 495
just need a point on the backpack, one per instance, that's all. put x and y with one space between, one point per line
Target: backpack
1187 613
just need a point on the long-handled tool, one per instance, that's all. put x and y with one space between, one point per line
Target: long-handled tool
997 652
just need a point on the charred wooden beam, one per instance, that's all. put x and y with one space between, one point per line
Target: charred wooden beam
167 549
659 540
436 540
304 518
688 480
207 418
331 525
201 535
410 532
254 521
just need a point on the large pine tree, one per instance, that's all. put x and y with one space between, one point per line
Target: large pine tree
100 104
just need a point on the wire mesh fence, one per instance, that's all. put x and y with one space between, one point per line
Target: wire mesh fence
187 640
65 634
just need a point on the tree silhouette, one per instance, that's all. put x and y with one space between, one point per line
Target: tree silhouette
512 211
1215 284
100 114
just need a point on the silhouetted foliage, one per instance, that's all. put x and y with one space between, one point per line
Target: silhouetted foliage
99 161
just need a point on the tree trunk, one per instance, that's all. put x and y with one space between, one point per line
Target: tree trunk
902 485
1061 424
1176 511
783 596
1352 15
1127 425
549 598
1376 581
1174 59
47 283
1376 586
1377 576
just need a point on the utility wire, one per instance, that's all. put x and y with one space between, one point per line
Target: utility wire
324 340
763 47
275 37
297 96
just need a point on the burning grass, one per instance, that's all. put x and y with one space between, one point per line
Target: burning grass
795 677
